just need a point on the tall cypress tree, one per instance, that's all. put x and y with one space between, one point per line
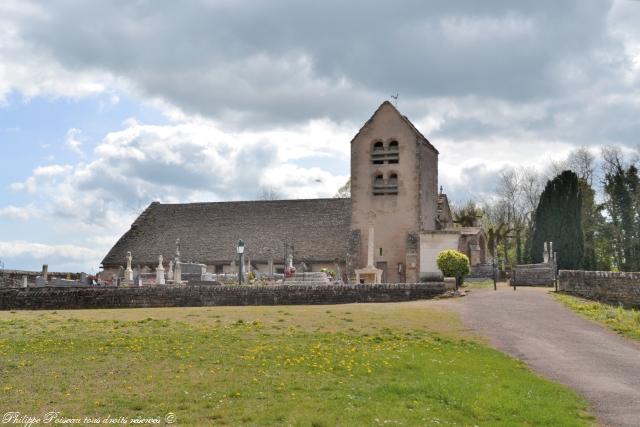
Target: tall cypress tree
558 219
623 206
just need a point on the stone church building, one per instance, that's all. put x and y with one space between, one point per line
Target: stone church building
396 219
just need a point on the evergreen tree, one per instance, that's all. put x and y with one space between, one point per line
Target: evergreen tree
558 219
622 189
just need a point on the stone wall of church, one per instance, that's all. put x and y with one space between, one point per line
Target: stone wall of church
431 244
49 298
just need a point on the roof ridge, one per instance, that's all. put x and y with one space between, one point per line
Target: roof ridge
250 201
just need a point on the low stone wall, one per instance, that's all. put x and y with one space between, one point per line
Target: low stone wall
532 275
605 286
482 271
196 295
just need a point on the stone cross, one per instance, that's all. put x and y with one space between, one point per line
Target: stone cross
160 272
545 252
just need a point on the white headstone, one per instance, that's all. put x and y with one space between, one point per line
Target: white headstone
170 272
128 272
160 272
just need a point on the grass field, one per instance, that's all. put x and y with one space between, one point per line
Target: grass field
624 321
364 364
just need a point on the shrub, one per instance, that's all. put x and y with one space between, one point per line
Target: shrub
453 264
329 272
251 276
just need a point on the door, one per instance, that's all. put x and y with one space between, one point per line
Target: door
382 265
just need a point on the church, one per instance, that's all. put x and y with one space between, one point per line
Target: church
393 225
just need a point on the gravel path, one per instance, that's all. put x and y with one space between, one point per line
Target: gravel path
558 344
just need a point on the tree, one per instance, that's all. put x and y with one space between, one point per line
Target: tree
344 192
622 190
558 219
467 215
453 264
269 193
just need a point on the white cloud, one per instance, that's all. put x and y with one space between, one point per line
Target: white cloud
58 257
74 141
19 212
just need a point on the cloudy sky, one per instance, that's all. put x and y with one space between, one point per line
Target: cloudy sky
106 106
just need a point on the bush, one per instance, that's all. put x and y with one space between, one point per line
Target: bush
453 264
329 272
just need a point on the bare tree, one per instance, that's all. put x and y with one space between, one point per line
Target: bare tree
582 162
612 159
344 192
269 193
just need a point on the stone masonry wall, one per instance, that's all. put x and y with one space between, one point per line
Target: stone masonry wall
196 295
532 275
605 286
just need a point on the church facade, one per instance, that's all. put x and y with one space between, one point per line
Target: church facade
396 219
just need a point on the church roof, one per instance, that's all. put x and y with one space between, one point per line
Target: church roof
415 130
209 232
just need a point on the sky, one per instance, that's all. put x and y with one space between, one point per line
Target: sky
107 106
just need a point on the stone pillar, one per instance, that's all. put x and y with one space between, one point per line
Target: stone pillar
25 283
177 272
45 273
370 248
270 268
545 253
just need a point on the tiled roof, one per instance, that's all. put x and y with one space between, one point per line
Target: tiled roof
209 232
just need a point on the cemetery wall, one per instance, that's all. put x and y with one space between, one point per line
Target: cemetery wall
532 275
605 286
196 295
10 278
482 271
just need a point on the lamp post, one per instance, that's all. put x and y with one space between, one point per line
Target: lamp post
240 250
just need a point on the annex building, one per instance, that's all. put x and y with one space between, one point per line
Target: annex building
396 219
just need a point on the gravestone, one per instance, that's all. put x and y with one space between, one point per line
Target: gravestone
160 272
128 272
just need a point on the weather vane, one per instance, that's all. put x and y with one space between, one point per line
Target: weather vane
395 98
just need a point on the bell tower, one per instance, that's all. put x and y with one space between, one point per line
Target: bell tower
393 192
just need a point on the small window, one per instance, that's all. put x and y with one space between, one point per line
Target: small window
378 185
380 251
393 153
377 155
392 184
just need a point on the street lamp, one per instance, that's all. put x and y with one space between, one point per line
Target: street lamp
240 250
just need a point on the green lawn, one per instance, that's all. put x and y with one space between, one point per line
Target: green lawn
359 364
624 321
